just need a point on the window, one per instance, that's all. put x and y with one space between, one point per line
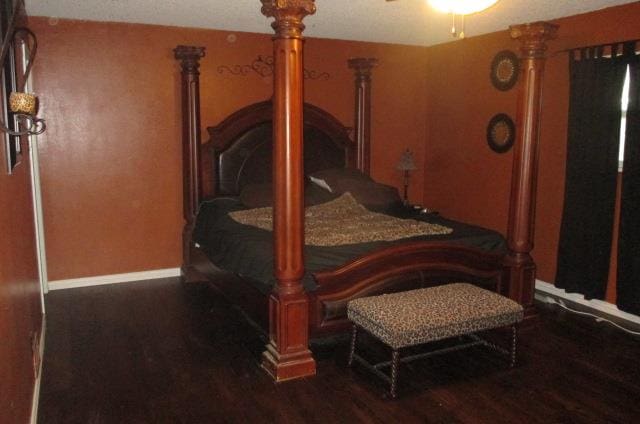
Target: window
624 104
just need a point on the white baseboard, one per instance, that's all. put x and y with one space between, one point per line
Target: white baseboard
543 289
35 401
113 278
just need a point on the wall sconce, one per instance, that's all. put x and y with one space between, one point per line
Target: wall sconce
406 165
24 106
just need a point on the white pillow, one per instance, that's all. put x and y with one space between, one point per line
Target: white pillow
321 183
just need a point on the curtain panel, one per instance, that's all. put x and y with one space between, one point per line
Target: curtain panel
592 165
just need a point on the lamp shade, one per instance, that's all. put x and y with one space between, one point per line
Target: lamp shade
406 162
461 7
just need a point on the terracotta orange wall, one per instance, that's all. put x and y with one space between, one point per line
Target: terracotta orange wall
464 179
111 165
20 314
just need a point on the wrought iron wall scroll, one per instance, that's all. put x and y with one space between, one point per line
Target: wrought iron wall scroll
263 66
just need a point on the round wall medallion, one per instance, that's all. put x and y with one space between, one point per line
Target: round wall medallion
504 70
501 133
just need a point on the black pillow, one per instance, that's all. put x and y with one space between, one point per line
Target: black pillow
374 196
257 195
260 195
314 195
333 179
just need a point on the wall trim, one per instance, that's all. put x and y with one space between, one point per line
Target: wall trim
36 196
113 279
35 401
544 289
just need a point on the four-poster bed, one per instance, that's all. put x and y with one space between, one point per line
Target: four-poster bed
216 168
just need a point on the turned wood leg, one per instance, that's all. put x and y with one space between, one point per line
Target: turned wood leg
354 333
395 359
514 342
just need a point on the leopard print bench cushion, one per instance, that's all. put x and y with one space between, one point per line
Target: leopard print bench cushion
424 315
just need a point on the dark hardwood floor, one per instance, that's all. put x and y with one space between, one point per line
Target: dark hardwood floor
155 352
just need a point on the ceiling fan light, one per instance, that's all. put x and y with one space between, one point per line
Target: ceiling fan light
461 7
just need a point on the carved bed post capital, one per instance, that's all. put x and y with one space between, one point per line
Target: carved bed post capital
533 37
288 15
189 58
522 206
363 67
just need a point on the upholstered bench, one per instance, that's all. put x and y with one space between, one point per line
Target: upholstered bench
425 315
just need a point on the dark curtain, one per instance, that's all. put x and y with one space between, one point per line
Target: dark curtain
628 286
592 165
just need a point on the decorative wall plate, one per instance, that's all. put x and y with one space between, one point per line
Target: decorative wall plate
505 68
501 133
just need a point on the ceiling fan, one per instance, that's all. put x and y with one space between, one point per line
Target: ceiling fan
459 8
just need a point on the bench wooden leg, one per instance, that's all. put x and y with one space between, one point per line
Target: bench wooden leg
354 334
395 359
514 342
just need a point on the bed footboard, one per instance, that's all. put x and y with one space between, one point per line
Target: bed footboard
399 268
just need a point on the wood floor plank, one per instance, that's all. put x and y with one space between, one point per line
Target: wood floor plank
157 352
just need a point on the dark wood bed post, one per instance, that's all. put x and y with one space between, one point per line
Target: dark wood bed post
189 57
362 120
522 269
287 355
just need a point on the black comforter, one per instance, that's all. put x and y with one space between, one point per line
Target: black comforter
248 251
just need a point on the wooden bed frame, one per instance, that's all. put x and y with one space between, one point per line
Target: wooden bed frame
291 314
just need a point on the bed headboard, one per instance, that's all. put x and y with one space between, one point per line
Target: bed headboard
239 148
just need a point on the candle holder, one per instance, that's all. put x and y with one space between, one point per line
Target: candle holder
24 106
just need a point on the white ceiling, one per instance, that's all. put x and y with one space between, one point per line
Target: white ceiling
401 21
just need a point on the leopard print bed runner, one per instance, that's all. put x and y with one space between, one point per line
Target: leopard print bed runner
344 221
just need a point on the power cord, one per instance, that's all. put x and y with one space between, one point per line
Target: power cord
597 318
